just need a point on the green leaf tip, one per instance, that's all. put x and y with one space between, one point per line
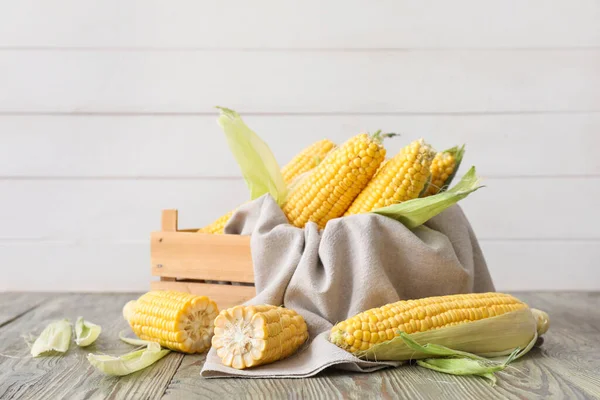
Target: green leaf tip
257 163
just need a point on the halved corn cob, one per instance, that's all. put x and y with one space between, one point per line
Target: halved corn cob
247 336
330 189
303 162
178 321
378 325
443 168
402 178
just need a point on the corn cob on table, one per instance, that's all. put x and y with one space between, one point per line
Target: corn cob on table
566 366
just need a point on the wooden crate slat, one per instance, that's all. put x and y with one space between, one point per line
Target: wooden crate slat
225 296
201 256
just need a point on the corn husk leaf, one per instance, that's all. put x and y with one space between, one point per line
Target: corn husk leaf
128 363
86 332
416 212
458 153
133 341
55 338
456 362
491 337
257 163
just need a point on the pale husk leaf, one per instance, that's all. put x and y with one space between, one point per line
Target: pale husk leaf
128 363
257 163
56 337
490 337
86 332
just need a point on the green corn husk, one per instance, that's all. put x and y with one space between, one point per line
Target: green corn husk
257 163
128 363
458 362
490 337
55 338
416 212
86 332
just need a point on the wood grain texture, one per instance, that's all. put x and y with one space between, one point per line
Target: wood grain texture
169 146
300 82
239 24
14 305
192 255
564 366
71 376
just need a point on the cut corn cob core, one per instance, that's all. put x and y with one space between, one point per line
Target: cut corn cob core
178 321
329 190
379 325
303 162
247 336
401 178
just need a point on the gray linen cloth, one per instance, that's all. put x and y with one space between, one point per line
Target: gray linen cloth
355 263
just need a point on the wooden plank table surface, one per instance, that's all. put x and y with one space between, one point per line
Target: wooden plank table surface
566 365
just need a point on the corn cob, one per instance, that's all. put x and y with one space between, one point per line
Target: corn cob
443 168
247 336
330 189
178 321
306 160
303 162
402 178
378 325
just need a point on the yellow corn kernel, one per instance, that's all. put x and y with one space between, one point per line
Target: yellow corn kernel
306 160
426 314
443 168
178 321
402 178
303 162
247 336
332 186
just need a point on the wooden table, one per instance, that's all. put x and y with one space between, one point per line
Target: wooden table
567 365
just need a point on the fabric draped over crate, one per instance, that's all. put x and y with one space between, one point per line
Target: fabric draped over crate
355 263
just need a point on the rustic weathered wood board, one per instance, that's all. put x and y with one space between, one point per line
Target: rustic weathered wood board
565 366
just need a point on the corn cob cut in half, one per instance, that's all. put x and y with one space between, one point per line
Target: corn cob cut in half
331 187
303 162
306 160
402 178
443 169
247 336
178 321
378 325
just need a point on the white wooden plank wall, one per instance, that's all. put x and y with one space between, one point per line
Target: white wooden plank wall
106 117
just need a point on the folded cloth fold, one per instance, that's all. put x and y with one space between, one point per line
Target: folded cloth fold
355 263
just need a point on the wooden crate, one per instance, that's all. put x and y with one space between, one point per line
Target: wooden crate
217 266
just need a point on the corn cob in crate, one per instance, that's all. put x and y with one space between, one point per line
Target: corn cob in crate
402 178
443 168
483 323
329 190
178 321
254 335
300 164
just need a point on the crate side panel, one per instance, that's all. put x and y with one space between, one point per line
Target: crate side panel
201 256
